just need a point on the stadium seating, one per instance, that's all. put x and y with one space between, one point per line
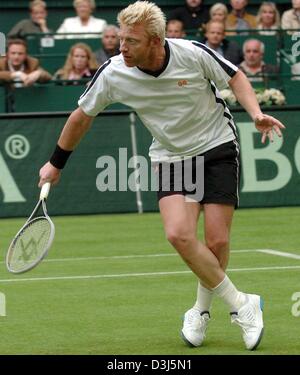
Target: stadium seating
52 56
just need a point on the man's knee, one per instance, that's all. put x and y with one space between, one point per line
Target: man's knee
179 237
218 243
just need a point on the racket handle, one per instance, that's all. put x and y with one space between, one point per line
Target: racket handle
45 190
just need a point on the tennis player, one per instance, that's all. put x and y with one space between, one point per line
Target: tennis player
173 86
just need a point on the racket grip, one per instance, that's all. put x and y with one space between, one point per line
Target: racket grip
45 190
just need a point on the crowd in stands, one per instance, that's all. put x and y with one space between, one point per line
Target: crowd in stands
211 26
80 64
18 68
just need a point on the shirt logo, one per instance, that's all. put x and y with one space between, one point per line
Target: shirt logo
182 82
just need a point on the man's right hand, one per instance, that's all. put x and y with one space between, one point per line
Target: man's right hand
48 173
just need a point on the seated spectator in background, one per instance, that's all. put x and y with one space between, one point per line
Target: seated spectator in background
83 23
239 19
19 68
253 65
291 18
193 15
36 24
110 44
175 29
268 18
80 64
218 12
215 39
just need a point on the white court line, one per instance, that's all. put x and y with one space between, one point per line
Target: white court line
279 253
123 275
75 259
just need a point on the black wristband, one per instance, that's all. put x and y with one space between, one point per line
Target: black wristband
59 157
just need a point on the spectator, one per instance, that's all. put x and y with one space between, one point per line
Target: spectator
215 39
110 44
238 19
291 18
193 15
36 24
218 12
268 18
83 23
80 64
253 65
19 68
175 29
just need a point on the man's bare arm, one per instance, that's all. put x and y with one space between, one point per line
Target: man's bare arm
75 128
245 95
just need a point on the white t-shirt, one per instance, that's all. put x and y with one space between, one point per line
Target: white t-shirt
180 106
74 25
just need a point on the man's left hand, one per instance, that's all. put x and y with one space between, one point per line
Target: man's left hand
266 125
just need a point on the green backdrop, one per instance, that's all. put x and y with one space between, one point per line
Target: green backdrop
270 172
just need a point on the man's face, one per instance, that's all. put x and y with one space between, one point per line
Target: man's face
110 40
193 3
252 54
238 4
215 34
16 55
135 45
296 4
174 30
38 13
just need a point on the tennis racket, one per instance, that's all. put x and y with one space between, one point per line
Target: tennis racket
34 239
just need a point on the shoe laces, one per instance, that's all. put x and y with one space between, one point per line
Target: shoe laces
246 320
196 320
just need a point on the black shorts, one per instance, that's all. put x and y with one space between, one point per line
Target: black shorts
221 171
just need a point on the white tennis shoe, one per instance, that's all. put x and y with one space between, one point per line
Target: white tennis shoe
250 318
194 326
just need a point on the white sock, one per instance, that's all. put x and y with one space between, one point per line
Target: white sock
204 298
230 295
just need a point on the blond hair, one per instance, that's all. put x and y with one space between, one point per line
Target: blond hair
148 14
77 2
275 10
216 7
37 3
68 67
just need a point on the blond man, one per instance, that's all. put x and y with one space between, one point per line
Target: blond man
173 86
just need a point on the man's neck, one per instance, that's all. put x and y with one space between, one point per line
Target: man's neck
239 13
15 68
213 46
255 68
155 61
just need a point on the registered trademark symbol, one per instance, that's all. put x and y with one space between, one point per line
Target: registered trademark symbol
17 146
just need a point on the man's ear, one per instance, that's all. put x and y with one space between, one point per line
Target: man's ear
156 41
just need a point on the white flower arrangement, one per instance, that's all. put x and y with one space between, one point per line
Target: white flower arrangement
264 97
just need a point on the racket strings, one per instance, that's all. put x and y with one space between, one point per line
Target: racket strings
30 245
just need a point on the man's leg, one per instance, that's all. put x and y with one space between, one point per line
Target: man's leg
180 227
217 224
181 231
